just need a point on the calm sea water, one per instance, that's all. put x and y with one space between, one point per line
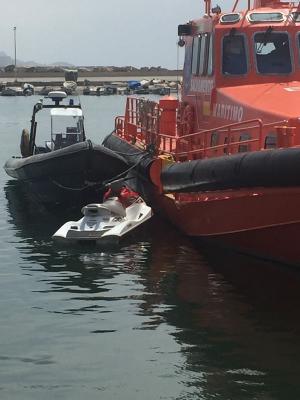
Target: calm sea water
157 318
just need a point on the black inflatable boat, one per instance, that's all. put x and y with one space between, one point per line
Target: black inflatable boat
68 169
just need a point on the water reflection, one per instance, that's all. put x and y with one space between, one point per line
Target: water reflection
233 319
82 265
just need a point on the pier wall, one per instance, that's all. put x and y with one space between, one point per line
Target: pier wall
44 78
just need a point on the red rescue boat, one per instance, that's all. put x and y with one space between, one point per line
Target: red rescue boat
223 163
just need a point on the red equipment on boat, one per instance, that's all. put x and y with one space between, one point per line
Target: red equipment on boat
224 162
125 195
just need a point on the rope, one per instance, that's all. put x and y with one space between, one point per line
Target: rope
117 177
70 188
177 83
128 178
128 155
102 184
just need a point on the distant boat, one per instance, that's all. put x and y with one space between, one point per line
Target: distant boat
44 90
122 90
28 89
141 91
90 91
9 91
109 89
70 86
145 83
133 84
100 91
86 91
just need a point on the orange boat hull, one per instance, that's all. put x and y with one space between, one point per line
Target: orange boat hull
263 222
276 243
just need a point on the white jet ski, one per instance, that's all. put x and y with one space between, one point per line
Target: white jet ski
105 223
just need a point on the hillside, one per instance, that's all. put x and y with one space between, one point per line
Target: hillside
7 60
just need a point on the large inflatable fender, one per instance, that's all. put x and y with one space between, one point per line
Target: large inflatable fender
24 145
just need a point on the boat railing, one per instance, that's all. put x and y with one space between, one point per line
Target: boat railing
141 122
204 144
119 125
143 126
251 136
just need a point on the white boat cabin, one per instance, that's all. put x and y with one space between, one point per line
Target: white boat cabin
66 127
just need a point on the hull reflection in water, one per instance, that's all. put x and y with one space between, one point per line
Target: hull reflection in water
195 324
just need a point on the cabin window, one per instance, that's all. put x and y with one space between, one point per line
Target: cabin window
214 139
266 17
203 54
272 50
295 16
234 55
244 147
210 56
230 18
195 56
271 141
202 58
298 39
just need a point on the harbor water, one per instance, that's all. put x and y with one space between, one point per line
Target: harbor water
157 318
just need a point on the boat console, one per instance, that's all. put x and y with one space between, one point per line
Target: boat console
67 125
57 96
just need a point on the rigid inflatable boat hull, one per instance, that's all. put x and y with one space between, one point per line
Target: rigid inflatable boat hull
70 175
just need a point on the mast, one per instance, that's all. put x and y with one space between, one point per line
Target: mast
248 4
207 6
265 3
15 45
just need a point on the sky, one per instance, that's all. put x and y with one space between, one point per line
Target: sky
96 32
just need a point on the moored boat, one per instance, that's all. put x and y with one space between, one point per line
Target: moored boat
12 91
70 83
67 168
106 223
69 86
222 164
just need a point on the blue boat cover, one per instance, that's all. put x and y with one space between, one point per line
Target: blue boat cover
134 84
